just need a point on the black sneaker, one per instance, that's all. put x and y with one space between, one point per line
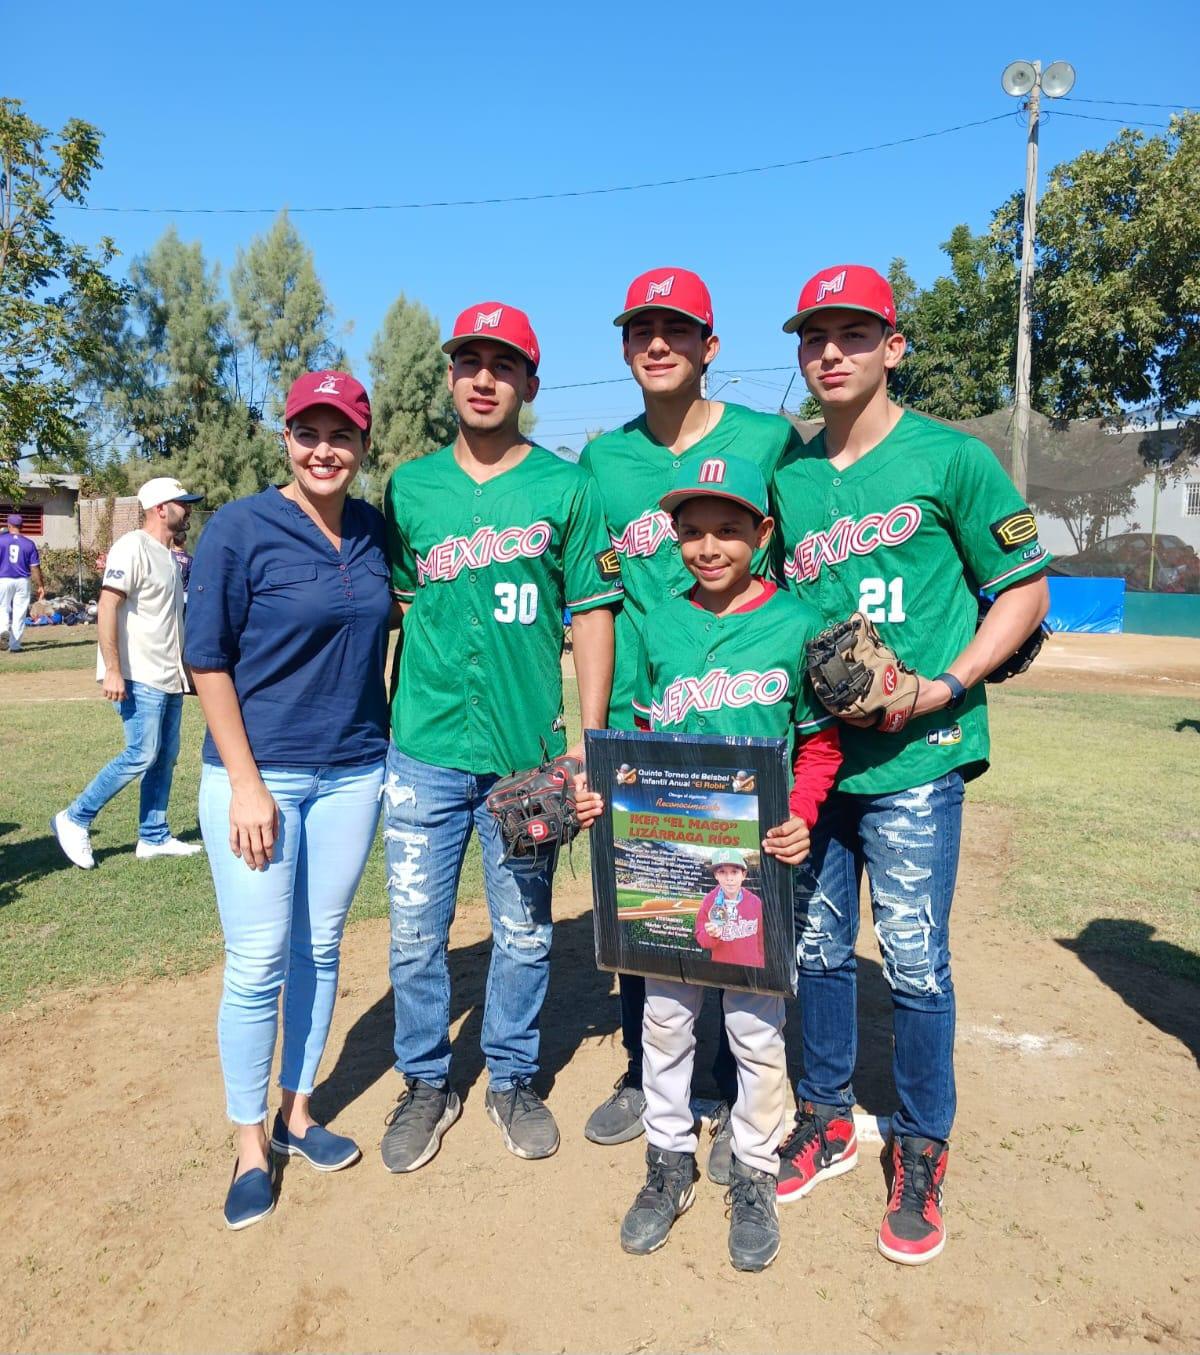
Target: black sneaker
669 1191
524 1120
753 1217
416 1123
618 1119
721 1153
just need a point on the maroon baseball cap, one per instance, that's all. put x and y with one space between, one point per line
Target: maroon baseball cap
668 289
338 389
850 286
498 322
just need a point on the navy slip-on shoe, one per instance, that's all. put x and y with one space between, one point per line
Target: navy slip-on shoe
251 1197
319 1148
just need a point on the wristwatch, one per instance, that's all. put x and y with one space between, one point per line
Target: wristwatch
958 693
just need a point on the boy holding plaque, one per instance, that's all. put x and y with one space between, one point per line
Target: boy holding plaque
726 658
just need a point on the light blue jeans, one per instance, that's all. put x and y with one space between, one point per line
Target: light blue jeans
151 718
283 925
428 816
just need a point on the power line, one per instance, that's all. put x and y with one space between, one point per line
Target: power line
549 197
1096 117
1129 103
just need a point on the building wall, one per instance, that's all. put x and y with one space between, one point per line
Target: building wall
1175 497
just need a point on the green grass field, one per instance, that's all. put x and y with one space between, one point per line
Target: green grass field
1101 792
46 649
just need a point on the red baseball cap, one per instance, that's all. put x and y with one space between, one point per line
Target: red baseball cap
668 289
338 389
850 286
498 322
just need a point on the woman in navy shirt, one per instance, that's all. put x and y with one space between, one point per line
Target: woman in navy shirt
286 637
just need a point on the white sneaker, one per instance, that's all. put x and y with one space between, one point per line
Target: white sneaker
172 847
76 842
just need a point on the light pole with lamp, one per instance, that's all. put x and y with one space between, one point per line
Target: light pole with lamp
1023 78
729 381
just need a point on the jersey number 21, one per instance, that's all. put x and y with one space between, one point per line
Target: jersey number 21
871 596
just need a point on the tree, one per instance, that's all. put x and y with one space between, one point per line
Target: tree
284 315
45 281
412 412
1118 277
960 332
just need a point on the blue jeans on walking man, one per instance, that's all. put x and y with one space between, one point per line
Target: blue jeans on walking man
429 813
909 844
151 718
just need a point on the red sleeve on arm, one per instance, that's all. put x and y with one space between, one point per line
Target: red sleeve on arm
818 758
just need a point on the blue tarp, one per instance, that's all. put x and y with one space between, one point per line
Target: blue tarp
1094 605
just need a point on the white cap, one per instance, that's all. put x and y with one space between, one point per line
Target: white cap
164 489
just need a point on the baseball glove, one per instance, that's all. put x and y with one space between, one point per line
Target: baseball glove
536 809
1028 650
856 676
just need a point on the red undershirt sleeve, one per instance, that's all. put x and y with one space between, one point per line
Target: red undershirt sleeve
818 757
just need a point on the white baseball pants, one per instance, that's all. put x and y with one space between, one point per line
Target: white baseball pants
14 608
755 1025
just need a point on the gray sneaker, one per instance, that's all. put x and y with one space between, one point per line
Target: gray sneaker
416 1123
524 1119
720 1154
669 1191
619 1119
753 1217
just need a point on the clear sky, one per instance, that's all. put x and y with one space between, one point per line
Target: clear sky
265 105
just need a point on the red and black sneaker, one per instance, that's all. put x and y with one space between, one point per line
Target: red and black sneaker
912 1231
822 1145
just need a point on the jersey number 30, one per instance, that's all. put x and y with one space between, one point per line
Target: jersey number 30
871 595
516 604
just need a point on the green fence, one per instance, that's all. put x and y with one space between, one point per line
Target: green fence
1162 614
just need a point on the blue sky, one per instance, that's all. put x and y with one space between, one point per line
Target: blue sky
323 105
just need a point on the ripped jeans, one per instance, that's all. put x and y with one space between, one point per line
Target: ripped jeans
909 844
428 814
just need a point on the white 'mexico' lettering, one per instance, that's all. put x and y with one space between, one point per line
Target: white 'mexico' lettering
716 690
849 537
644 535
487 546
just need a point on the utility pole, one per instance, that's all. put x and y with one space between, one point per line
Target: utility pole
1020 444
1021 79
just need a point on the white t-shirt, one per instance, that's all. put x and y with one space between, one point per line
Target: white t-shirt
150 620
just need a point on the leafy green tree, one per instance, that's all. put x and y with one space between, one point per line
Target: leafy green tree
283 313
1118 276
960 331
412 412
45 282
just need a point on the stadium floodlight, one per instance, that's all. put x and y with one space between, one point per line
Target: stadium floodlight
1058 79
1019 78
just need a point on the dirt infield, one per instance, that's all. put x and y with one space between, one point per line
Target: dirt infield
1073 1154
1071 1169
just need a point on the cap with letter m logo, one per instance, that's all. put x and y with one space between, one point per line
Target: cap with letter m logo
712 472
490 320
662 288
828 286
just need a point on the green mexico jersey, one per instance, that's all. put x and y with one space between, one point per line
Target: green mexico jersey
745 673
488 569
907 535
634 470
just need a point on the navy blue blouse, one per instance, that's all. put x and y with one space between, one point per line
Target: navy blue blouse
301 628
